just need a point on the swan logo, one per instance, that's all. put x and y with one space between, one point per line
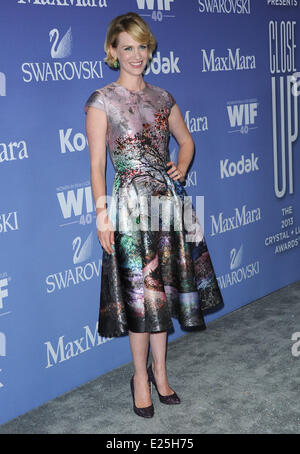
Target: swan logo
238 272
61 48
81 272
236 257
82 253
2 84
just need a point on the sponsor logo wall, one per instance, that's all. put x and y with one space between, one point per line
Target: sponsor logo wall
232 66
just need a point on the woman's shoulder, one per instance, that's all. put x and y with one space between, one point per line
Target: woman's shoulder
163 93
97 98
104 90
157 88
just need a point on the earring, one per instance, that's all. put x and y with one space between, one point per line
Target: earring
116 63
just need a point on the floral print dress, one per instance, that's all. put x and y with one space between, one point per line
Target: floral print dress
161 267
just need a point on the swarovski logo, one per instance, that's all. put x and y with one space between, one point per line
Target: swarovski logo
6 223
78 274
238 272
225 7
54 71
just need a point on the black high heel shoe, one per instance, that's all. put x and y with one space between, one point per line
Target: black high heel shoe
169 400
145 412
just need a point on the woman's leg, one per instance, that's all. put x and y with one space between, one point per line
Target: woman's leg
158 342
139 344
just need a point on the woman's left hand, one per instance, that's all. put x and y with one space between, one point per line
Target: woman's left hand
175 172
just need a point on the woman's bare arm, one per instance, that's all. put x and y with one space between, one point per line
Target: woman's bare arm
96 127
184 139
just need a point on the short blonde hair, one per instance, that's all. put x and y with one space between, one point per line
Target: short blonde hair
137 28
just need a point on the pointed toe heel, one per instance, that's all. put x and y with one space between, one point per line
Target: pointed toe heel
145 412
169 400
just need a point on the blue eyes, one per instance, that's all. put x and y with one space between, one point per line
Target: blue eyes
142 46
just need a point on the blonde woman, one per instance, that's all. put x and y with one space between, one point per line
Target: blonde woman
149 275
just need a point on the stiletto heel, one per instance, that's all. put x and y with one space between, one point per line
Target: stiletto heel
169 400
145 412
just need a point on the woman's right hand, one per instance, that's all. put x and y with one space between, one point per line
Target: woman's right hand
105 233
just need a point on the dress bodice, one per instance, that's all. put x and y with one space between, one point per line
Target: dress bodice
137 125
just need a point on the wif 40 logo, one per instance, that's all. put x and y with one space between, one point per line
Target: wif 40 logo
157 6
2 84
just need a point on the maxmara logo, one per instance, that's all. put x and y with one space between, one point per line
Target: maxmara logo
64 350
240 218
13 151
61 48
233 61
82 3
225 7
80 272
195 124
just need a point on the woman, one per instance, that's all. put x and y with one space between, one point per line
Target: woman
148 275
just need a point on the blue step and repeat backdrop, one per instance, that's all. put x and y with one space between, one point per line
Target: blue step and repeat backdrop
231 65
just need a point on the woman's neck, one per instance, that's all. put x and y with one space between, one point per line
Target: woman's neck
131 83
